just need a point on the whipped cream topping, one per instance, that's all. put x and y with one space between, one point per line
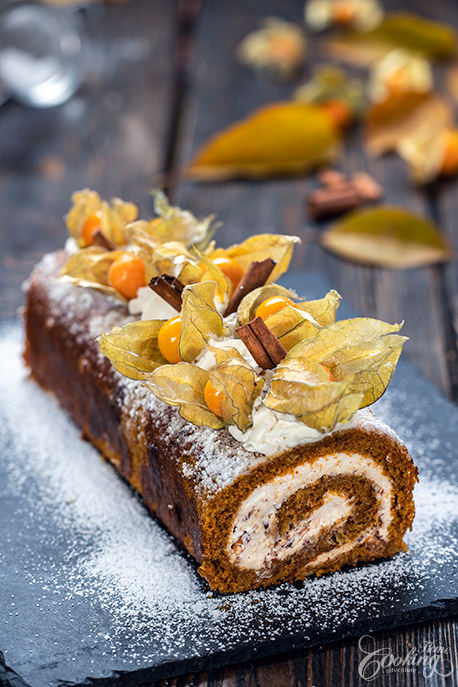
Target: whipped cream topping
254 542
71 246
272 432
207 360
150 306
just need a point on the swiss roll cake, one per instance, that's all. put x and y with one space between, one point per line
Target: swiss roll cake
237 409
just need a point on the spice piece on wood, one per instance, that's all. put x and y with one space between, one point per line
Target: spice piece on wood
329 202
256 275
169 288
263 345
340 193
99 239
331 177
367 187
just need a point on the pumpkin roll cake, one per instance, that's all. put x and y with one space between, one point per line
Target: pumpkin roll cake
238 410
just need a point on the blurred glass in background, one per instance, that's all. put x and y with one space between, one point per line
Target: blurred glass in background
40 54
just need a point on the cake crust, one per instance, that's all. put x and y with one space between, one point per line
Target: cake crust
197 480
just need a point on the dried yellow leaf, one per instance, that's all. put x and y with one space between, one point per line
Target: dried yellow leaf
183 385
401 115
199 319
133 349
388 236
403 30
283 138
279 247
240 386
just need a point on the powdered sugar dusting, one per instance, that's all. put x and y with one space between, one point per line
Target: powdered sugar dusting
101 573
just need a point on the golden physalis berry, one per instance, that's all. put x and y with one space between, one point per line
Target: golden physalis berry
272 305
213 398
92 223
127 274
449 164
343 13
168 340
339 112
229 267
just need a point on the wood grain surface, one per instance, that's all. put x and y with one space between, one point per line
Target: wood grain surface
161 79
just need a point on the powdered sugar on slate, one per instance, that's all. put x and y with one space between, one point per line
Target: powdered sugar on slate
87 542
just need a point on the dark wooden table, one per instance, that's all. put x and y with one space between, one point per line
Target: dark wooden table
162 78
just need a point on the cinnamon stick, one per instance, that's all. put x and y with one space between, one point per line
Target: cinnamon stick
367 187
263 345
169 288
100 239
256 275
341 193
331 177
328 202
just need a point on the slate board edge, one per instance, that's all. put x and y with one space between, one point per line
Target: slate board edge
434 611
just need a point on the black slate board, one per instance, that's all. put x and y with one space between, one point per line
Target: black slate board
70 615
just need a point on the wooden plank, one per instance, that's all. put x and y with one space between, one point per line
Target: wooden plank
111 136
224 91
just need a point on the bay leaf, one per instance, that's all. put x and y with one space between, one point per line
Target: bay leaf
388 236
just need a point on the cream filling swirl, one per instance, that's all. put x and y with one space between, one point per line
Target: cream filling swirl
253 543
